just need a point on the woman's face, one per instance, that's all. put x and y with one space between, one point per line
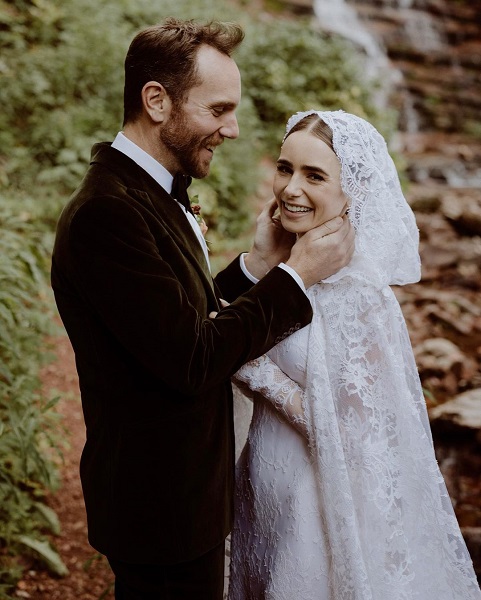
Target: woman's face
307 183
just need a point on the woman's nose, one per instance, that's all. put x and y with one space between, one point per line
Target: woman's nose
293 188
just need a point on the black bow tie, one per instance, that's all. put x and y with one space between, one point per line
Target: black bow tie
179 190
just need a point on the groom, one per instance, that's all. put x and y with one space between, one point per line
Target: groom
133 287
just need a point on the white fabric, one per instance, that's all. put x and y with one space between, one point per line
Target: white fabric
156 170
283 266
349 504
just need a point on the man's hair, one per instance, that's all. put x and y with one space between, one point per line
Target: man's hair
315 125
167 53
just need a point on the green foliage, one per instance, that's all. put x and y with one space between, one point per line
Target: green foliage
293 67
55 94
62 85
27 471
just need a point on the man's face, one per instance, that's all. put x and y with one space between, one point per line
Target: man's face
196 128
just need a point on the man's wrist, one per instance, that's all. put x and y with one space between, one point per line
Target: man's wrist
255 265
245 270
294 274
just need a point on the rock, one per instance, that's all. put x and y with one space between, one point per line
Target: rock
443 367
439 355
435 257
464 212
299 7
422 199
457 441
462 412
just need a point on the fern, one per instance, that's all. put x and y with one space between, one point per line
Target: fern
26 417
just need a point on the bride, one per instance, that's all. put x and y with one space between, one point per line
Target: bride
339 495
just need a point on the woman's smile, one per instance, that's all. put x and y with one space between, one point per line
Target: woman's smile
295 208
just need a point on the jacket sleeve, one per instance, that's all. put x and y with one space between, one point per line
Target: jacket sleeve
232 282
118 268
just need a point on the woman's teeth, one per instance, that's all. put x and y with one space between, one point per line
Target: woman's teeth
293 208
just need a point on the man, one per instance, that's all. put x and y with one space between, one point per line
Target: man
134 290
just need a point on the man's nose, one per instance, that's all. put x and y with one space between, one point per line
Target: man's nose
230 127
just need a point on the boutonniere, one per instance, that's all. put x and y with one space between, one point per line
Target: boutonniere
196 208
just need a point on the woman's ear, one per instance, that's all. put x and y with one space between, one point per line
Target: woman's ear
156 101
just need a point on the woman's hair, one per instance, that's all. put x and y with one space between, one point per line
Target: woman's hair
167 53
315 125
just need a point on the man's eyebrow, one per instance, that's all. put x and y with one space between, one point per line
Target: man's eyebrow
224 104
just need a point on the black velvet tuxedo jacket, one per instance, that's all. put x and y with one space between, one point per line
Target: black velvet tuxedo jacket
134 292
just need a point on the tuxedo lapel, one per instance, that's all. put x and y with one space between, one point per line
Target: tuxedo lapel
175 221
144 189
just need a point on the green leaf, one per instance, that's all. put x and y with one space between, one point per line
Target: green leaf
47 554
50 517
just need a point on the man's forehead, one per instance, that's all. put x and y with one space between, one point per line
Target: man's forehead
220 83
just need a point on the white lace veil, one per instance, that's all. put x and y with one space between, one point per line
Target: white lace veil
382 510
390 526
386 233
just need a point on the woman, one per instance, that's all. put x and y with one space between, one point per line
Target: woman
339 493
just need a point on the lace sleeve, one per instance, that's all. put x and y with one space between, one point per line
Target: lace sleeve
263 376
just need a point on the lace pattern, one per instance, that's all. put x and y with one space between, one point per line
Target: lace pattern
349 504
284 394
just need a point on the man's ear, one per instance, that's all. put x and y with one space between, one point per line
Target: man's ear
156 101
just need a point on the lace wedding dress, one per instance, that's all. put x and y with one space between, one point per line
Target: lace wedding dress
339 495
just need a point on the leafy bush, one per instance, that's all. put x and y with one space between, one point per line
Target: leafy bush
62 85
27 471
292 67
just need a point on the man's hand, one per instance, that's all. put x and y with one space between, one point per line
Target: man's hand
322 251
272 243
223 303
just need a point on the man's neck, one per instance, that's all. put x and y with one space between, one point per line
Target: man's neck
152 166
147 139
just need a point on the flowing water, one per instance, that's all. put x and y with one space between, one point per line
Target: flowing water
428 53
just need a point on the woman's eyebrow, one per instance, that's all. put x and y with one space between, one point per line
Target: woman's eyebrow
311 168
315 169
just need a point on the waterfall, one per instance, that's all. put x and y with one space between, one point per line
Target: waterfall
421 32
336 16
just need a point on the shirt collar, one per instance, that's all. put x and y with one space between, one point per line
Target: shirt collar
144 160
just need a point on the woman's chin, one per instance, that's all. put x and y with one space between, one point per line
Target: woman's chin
292 228
299 231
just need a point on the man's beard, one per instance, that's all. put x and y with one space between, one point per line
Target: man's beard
185 145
